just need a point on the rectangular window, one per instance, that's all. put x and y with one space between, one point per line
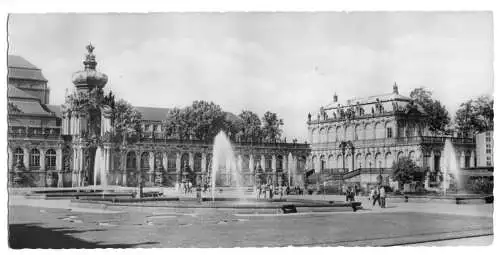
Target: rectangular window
488 151
389 132
171 163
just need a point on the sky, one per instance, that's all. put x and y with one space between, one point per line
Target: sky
288 63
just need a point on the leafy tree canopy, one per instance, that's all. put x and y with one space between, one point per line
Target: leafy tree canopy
204 120
475 116
271 129
126 118
405 171
251 129
438 117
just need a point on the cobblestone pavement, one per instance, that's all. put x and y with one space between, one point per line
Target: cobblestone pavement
52 226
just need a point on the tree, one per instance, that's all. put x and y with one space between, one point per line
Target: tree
251 129
475 116
126 119
202 121
438 117
406 171
271 129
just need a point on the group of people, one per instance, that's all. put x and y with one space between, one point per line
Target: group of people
269 191
187 187
379 195
350 193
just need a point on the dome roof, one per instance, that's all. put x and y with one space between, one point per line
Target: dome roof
89 77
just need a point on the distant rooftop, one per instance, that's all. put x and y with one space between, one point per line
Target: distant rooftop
20 68
13 92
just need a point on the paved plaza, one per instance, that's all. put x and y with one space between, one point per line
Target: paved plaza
36 223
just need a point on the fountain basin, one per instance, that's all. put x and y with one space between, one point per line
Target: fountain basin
244 206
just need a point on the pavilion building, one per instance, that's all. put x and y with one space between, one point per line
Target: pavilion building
358 141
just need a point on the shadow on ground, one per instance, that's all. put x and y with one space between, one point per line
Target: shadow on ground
32 236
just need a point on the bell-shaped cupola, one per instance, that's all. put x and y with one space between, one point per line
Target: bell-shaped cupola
89 78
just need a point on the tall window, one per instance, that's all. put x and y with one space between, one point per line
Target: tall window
279 163
145 160
18 155
35 158
389 132
171 161
268 163
197 162
50 159
131 160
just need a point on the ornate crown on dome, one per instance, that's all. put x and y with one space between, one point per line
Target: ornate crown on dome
89 78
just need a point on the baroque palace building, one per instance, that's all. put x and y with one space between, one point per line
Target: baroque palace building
56 146
359 140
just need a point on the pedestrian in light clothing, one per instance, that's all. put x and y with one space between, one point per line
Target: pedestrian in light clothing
376 196
372 194
382 197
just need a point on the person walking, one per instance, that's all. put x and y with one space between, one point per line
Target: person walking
376 196
352 195
259 191
348 194
382 197
271 191
372 194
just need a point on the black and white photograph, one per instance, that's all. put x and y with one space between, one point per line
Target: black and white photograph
249 129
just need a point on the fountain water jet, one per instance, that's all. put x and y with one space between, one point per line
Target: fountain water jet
99 169
450 166
223 153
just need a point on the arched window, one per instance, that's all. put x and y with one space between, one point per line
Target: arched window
331 161
314 162
131 160
349 134
388 159
184 161
50 159
369 161
340 133
322 163
339 161
279 163
18 155
35 158
359 161
358 135
145 160
197 162
331 135
314 136
369 132
378 160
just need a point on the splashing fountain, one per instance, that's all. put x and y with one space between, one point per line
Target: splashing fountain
451 168
99 169
223 156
